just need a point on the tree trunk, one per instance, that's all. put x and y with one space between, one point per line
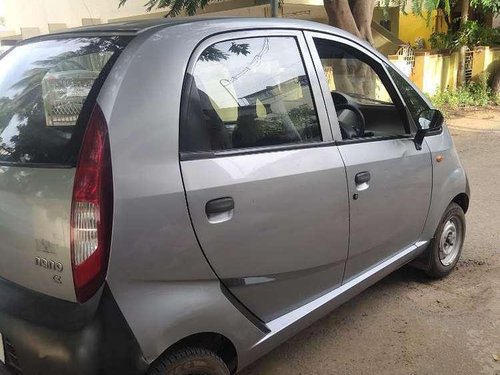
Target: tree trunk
274 8
362 11
354 16
464 15
340 15
495 81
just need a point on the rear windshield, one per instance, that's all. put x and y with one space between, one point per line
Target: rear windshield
47 89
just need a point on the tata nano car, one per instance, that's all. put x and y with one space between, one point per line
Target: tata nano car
181 196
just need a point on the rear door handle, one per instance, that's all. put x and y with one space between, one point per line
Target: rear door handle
361 179
217 206
219 210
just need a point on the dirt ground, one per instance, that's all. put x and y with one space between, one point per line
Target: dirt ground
408 324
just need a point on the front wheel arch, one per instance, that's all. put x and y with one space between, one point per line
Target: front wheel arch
424 261
462 200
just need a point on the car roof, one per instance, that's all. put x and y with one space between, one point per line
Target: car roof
135 26
138 26
201 23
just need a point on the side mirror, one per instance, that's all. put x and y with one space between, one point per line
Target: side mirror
428 120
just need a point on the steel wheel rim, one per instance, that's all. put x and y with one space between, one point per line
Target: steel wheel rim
450 241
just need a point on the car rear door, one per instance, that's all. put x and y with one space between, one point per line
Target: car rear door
389 179
265 185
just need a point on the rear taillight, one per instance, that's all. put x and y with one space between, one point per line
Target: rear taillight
91 209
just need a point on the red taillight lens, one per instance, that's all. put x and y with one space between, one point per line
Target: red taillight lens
91 209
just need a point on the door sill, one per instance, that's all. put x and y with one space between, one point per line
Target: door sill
290 323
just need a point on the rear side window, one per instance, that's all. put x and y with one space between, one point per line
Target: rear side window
249 93
47 89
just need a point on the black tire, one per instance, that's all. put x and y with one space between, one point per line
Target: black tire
190 361
436 268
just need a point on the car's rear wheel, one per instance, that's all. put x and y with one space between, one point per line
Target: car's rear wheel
448 241
190 361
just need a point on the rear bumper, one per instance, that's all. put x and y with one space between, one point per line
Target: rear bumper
32 349
97 343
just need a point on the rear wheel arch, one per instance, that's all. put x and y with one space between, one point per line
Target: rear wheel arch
214 342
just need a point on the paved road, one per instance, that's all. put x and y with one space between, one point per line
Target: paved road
407 324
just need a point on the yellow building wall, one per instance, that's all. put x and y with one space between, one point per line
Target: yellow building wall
495 54
486 59
412 27
433 72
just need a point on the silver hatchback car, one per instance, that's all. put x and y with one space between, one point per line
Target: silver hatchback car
181 196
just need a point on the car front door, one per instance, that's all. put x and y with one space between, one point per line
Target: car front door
265 184
389 179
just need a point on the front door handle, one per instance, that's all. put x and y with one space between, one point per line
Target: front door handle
361 179
219 210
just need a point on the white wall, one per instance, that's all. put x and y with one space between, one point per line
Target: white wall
40 13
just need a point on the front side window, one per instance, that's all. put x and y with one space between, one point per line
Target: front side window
364 100
250 92
413 100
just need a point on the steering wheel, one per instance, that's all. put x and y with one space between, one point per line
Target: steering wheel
352 131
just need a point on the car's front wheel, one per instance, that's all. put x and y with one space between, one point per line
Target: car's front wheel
448 241
190 361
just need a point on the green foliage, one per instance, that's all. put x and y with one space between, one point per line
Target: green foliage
486 5
472 33
302 118
213 53
239 48
441 40
496 99
420 7
424 8
480 92
474 93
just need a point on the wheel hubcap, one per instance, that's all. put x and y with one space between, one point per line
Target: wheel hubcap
450 241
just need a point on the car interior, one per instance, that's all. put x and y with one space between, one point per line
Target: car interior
366 104
362 96
266 121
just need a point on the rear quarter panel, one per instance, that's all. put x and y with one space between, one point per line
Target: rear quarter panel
157 272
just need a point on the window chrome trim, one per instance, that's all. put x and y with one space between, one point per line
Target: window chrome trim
373 139
186 156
